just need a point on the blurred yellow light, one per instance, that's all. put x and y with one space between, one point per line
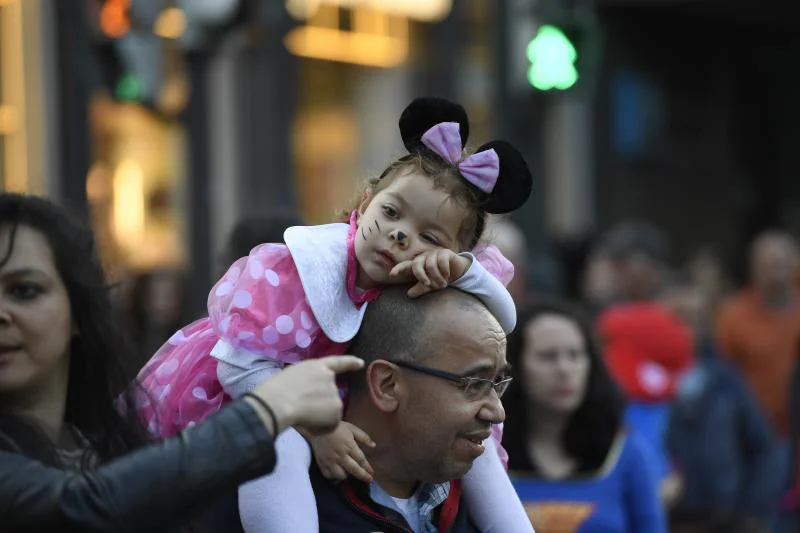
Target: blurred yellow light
9 119
424 10
170 24
129 204
360 48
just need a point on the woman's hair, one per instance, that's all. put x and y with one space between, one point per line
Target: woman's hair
445 177
100 396
594 425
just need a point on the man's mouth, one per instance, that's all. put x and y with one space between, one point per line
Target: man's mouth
8 350
477 437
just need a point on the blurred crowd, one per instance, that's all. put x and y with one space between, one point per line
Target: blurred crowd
703 372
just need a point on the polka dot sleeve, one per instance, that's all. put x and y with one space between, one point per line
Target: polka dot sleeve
260 306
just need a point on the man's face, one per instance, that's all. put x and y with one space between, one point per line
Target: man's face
774 264
438 427
638 276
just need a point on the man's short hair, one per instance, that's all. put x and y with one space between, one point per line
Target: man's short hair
398 328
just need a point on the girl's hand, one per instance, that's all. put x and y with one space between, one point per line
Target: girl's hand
434 269
339 453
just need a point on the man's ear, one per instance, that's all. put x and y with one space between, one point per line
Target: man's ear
383 385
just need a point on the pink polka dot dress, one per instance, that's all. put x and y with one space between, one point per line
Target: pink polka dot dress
282 303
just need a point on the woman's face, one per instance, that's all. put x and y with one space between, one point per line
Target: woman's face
35 317
555 363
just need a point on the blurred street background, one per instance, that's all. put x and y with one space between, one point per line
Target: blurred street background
166 122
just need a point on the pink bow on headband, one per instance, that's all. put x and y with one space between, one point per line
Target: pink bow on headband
480 169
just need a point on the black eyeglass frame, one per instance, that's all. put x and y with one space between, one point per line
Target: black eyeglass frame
466 382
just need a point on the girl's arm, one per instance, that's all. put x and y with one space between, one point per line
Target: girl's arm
486 278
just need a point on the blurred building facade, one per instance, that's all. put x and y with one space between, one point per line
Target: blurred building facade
165 121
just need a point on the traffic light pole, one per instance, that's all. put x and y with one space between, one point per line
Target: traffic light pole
266 102
73 81
198 183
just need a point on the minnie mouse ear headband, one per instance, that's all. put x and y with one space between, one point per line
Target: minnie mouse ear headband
497 169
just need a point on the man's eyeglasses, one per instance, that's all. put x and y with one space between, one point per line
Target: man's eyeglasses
474 388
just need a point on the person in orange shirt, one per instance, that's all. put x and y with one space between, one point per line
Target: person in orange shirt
758 329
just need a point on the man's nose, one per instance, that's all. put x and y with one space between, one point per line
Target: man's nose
492 410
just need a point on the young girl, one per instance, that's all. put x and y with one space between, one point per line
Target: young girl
306 299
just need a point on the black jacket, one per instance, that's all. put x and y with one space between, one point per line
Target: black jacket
347 507
158 488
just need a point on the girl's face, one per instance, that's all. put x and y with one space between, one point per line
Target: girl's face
407 218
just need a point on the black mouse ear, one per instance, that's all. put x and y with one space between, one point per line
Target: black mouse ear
514 181
424 113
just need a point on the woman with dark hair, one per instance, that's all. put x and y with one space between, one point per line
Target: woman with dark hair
73 456
577 469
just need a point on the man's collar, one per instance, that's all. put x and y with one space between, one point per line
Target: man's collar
429 496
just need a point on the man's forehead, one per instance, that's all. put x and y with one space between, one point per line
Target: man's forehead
467 339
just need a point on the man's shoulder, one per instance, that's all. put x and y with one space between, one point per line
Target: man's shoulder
347 506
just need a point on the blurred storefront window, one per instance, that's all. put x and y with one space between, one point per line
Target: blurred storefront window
22 150
136 181
359 64
135 186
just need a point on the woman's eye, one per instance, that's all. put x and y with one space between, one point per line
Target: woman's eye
25 291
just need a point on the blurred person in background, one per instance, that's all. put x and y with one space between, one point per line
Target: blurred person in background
157 309
510 240
647 346
639 254
718 437
706 272
758 331
790 504
253 230
576 467
599 286
73 454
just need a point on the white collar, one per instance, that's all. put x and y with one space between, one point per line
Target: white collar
320 255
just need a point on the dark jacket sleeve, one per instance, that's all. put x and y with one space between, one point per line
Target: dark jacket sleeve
156 488
764 472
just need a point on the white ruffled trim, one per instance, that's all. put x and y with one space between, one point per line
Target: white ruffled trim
320 255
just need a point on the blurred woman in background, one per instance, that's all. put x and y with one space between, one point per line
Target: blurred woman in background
577 469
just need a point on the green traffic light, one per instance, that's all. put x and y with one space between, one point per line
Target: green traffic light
552 58
130 88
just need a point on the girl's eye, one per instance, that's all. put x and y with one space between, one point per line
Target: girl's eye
390 211
431 239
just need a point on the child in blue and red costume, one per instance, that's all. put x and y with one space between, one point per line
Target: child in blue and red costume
648 350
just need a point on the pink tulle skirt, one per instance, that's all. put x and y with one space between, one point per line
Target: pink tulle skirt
180 381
